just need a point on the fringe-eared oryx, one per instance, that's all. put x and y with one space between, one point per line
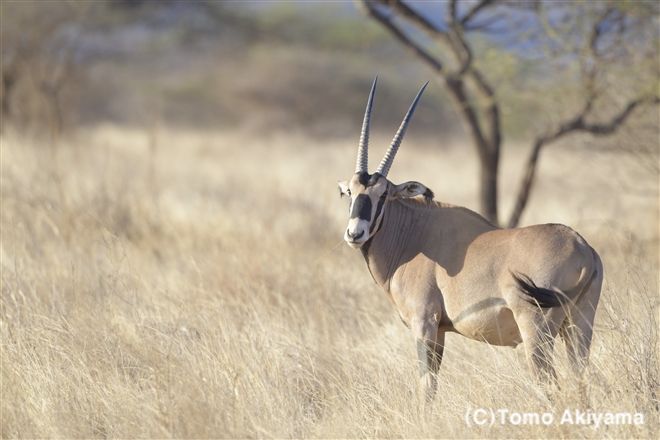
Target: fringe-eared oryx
447 269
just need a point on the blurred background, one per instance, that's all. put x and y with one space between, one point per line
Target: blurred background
172 256
302 66
505 73
258 66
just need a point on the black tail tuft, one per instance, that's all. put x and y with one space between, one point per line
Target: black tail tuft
544 298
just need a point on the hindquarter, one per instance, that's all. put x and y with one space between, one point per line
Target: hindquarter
552 256
483 300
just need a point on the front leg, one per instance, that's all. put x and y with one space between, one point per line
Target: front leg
430 345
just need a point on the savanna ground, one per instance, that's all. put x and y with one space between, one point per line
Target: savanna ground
194 284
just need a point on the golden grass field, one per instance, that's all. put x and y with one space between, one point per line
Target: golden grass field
189 285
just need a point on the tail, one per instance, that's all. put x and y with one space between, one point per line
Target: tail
548 298
539 296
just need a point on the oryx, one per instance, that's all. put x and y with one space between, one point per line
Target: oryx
448 269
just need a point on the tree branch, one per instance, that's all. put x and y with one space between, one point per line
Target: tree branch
483 26
470 15
492 125
487 148
492 119
526 184
455 86
479 106
574 125
588 63
409 14
603 129
386 21
492 111
453 17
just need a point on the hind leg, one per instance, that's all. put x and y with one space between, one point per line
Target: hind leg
538 334
577 328
538 342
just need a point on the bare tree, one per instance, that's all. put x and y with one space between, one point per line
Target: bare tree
594 37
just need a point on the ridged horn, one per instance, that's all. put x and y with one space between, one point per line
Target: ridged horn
363 147
386 163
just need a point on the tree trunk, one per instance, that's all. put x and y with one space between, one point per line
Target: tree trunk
488 186
488 151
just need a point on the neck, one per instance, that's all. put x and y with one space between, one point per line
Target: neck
411 227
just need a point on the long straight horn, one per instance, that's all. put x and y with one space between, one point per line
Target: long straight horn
386 163
363 148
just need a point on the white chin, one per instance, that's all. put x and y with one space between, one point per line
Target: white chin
355 244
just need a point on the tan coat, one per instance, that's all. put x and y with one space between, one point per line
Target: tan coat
447 269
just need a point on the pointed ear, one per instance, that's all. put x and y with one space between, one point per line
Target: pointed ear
343 188
412 189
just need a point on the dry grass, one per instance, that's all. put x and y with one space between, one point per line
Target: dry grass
193 289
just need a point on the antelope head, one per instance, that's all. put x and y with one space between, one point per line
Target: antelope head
368 193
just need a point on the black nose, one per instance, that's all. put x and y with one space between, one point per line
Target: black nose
354 236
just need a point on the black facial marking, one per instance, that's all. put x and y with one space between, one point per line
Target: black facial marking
365 253
379 208
428 194
362 208
367 179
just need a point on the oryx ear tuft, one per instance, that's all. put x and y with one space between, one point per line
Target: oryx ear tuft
411 189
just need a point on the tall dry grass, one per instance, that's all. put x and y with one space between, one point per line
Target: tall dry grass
188 285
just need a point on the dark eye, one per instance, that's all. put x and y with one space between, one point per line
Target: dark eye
348 192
